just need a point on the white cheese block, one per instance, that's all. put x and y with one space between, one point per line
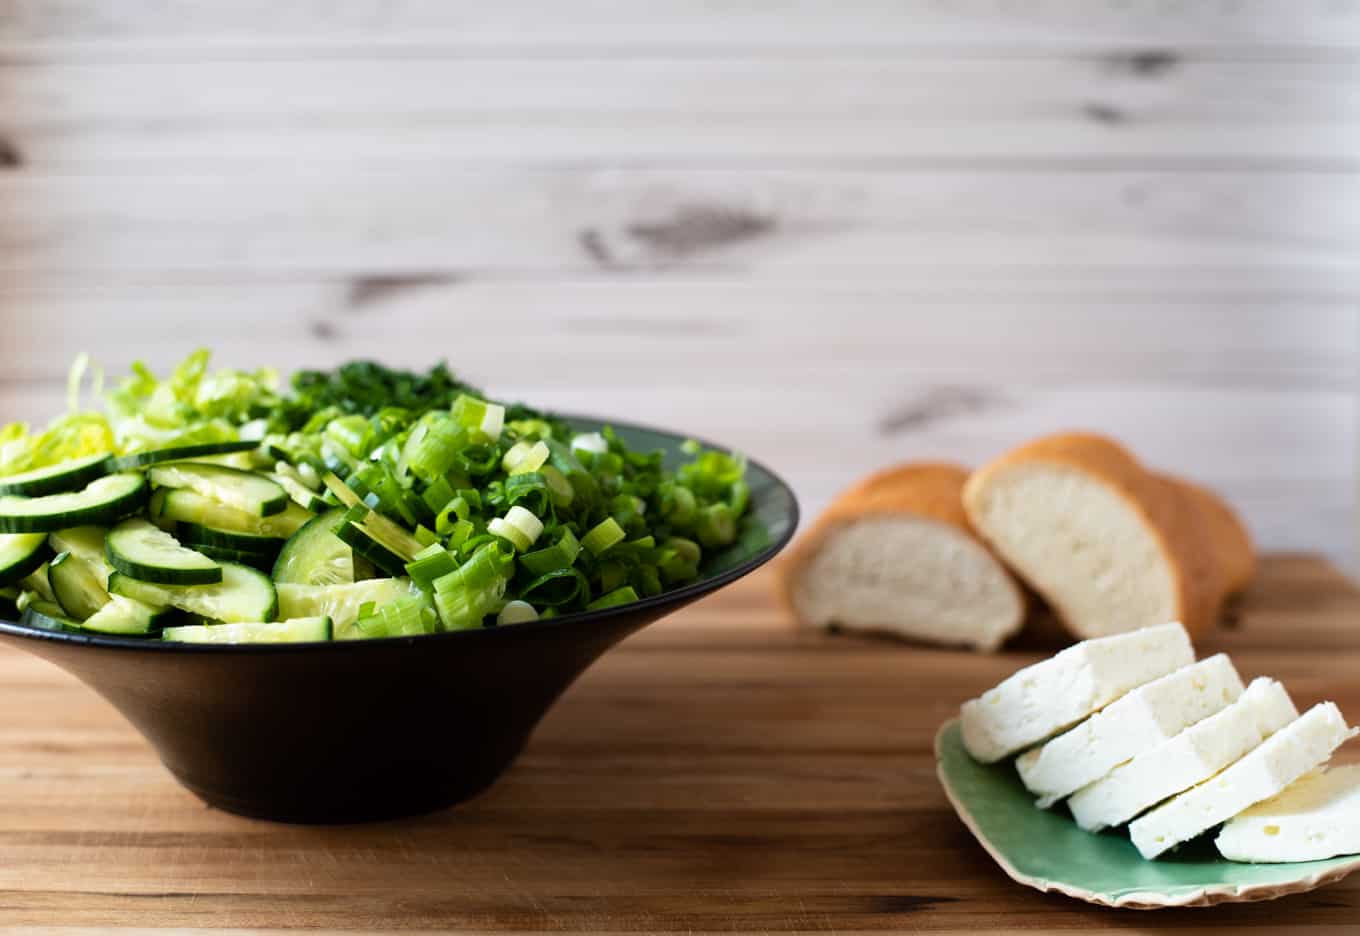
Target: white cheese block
1041 700
1281 759
1192 756
1138 722
1316 817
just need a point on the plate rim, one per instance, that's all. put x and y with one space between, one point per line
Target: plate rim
1206 896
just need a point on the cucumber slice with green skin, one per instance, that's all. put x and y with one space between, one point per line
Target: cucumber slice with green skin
75 586
86 544
139 548
314 555
195 535
262 561
295 630
102 502
36 582
68 476
123 616
245 490
244 594
303 496
21 554
46 615
340 603
177 453
189 507
244 461
366 542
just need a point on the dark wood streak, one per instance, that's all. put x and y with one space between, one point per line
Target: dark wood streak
370 290
939 404
592 242
10 156
1147 63
1104 113
693 228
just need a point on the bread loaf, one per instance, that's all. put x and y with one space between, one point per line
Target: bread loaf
895 554
1109 544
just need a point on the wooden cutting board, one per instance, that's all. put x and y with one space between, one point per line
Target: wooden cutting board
719 771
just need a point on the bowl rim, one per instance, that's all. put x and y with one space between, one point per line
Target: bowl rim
690 591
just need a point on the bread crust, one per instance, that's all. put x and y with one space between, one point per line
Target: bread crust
930 490
1181 520
1232 544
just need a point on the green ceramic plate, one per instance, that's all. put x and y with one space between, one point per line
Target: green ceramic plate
1048 851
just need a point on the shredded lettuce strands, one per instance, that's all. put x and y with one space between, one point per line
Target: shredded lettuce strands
493 513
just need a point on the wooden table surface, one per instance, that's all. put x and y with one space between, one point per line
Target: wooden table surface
717 772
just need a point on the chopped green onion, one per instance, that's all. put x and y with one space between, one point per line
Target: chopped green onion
603 535
618 596
517 612
409 616
430 563
518 526
591 442
559 488
524 457
474 414
717 525
434 446
424 534
466 595
559 555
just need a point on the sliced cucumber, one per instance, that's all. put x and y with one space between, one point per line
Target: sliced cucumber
124 616
21 554
262 561
178 452
340 603
197 536
86 544
75 585
294 630
190 507
302 495
314 555
244 594
245 461
102 502
139 548
378 539
67 476
46 615
36 582
245 490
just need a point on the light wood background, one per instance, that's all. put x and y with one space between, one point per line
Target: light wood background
833 235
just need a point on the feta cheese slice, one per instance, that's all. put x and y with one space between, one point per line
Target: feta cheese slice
1192 756
1041 700
1281 759
1316 817
1138 722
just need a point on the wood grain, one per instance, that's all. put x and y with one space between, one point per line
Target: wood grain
718 772
1249 27
303 107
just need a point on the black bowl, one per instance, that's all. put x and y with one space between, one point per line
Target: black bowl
360 730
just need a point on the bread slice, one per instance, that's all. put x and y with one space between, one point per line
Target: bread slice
1316 817
1288 754
1147 716
1191 757
895 554
1110 545
1041 700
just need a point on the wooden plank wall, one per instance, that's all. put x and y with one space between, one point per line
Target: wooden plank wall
831 234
